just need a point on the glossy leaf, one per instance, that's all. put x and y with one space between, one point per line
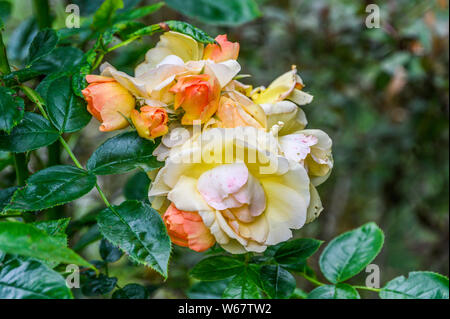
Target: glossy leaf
60 59
6 196
43 43
101 285
138 230
26 278
188 29
11 109
52 186
242 286
418 285
32 133
296 250
137 187
123 153
55 228
131 291
339 291
277 282
66 110
230 12
217 268
109 252
208 289
28 240
349 253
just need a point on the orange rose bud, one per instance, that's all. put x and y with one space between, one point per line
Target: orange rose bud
108 101
226 50
198 95
151 122
187 229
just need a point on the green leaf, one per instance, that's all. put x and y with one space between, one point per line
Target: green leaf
277 282
66 110
60 59
55 185
11 109
418 285
32 133
208 289
131 291
188 29
348 254
230 12
137 186
20 39
55 228
109 252
28 240
25 278
339 291
138 230
242 286
293 251
123 153
43 43
299 294
100 285
5 196
217 268
138 13
103 16
5 10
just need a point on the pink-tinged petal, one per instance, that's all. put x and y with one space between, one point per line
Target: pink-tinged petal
297 146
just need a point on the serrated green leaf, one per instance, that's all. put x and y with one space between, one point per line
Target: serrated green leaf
26 278
293 251
230 12
339 291
188 29
131 291
28 240
66 110
217 268
349 253
241 286
55 228
32 133
418 285
11 109
60 59
123 153
139 231
208 289
55 185
43 43
277 282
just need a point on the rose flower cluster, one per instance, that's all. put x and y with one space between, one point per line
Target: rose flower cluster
240 168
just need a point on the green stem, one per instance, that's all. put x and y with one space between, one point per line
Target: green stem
312 280
20 163
42 13
367 288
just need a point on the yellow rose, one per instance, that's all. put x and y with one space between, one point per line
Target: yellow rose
247 195
288 86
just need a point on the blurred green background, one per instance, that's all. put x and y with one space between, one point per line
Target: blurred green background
382 94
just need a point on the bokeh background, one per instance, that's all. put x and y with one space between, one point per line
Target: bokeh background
382 94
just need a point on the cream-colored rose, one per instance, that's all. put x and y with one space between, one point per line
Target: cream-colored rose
248 195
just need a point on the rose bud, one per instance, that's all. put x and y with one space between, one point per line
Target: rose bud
108 101
187 229
226 50
151 122
198 95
